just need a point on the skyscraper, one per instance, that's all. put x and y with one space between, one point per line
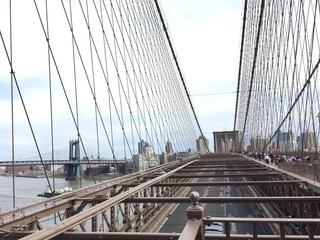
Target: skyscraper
169 149
141 145
146 158
202 144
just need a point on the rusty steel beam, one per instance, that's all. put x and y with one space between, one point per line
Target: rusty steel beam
305 199
222 183
208 220
38 210
271 174
190 231
99 208
231 183
119 236
213 165
228 170
195 216
35 204
46 207
98 235
22 219
260 237
59 231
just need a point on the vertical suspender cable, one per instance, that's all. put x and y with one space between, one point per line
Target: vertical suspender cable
12 115
253 68
177 65
50 99
94 89
75 78
240 64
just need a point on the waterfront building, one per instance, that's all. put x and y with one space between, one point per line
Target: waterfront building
146 158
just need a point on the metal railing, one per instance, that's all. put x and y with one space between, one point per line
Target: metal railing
195 227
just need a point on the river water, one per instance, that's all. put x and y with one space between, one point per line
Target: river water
27 189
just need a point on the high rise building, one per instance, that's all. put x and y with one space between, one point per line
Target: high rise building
169 149
283 142
141 147
258 143
202 144
146 158
307 141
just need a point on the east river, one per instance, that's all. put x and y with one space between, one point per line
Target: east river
27 189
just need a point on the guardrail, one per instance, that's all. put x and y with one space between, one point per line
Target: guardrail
195 227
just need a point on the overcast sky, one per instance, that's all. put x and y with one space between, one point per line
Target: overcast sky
206 37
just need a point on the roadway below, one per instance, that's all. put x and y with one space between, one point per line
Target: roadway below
177 219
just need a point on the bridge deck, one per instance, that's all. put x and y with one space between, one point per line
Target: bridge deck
249 197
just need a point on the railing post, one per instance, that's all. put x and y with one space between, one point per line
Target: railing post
194 227
195 211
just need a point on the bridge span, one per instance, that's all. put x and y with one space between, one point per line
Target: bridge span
63 162
178 200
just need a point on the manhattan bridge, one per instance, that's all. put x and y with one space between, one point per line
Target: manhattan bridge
106 75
